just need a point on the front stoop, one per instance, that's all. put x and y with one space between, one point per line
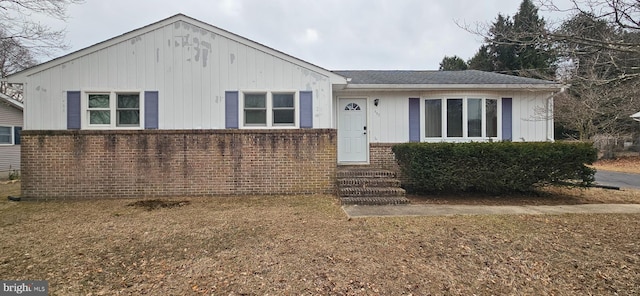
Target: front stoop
368 186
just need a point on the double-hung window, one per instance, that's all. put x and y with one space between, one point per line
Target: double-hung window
113 110
6 135
269 109
461 118
10 135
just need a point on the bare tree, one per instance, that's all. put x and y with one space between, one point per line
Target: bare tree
18 24
22 38
13 58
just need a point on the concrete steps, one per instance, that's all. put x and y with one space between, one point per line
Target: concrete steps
368 186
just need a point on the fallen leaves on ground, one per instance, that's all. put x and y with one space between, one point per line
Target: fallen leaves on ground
291 245
628 164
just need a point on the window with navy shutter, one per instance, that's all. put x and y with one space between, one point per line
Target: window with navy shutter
414 120
306 109
507 119
17 130
151 110
73 110
231 109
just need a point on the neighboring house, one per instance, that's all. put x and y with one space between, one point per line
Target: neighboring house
10 127
181 107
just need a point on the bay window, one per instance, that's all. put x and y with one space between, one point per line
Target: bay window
462 118
433 118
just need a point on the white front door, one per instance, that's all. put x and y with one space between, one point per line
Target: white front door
353 145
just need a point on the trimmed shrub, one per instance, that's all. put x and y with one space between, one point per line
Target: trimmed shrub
494 167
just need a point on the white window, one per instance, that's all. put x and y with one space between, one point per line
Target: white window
10 135
461 118
112 110
6 135
269 109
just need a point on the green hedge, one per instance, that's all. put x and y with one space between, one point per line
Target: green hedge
494 167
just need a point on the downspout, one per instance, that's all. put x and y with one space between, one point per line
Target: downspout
549 113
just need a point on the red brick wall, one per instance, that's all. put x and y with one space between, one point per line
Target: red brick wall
153 163
381 156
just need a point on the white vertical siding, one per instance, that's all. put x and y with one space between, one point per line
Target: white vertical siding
190 67
389 121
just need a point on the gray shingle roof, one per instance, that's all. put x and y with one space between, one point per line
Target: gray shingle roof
435 77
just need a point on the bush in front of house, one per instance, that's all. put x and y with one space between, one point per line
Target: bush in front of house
494 167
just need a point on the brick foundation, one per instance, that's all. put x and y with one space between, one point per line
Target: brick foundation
154 163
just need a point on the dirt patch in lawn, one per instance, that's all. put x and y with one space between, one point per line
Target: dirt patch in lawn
292 245
154 204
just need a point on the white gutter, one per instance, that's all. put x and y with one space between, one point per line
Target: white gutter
414 87
11 102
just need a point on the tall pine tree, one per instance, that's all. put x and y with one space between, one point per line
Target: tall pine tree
513 46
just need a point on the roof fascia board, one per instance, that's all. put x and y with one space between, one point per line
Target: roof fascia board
453 86
11 102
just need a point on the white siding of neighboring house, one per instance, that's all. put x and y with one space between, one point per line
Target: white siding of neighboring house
189 66
9 154
389 121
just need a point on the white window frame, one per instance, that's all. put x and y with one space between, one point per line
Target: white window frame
113 97
12 135
465 119
269 109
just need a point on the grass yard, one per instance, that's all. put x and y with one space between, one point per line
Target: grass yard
288 245
630 164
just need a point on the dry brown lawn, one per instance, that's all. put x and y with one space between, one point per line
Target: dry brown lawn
630 164
294 245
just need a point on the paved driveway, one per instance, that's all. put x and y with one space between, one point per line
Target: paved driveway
622 180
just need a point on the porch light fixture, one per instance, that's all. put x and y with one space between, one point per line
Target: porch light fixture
376 101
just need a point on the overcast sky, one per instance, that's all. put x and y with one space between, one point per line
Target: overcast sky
333 34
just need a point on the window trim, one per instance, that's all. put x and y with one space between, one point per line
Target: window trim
113 107
465 119
12 135
269 109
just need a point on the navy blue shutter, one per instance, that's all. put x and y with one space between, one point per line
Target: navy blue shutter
414 120
507 119
151 118
231 109
306 109
16 134
73 110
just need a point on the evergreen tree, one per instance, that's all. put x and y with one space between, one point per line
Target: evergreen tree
501 47
534 58
482 60
513 46
454 63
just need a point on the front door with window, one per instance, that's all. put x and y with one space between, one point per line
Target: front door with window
353 144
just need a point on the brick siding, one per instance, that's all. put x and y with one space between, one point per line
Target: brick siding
381 156
152 163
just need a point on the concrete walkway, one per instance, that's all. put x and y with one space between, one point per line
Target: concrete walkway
355 211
